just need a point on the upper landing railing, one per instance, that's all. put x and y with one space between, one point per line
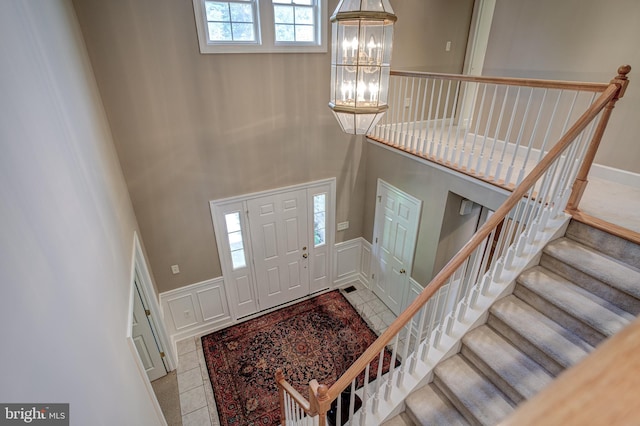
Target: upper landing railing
536 138
495 129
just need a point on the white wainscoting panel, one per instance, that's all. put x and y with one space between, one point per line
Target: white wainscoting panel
365 262
182 311
195 309
414 290
346 261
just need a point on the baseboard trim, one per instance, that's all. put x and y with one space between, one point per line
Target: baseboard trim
623 177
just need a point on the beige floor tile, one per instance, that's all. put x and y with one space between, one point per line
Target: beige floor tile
188 361
185 346
197 418
192 400
189 379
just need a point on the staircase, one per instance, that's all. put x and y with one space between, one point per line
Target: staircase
585 289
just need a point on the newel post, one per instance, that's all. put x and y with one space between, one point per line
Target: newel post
319 400
279 380
580 183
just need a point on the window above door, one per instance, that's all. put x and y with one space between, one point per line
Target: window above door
261 26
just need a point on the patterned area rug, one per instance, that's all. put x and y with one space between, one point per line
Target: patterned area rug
315 339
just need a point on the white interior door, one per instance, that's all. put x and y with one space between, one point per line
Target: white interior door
144 339
395 234
279 236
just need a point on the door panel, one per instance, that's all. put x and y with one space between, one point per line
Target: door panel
278 230
144 340
395 235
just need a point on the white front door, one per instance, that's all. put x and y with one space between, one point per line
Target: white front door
280 243
144 339
394 237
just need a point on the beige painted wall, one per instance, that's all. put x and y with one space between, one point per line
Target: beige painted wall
67 228
429 184
422 32
456 230
190 128
575 40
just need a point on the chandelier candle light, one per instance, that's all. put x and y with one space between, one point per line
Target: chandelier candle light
362 38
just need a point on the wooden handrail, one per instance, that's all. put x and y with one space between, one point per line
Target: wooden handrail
508 81
322 397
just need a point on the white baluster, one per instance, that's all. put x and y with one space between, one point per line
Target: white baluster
414 139
507 179
453 111
423 140
435 121
476 129
486 131
487 171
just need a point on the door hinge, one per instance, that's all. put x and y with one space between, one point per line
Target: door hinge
376 240
162 355
147 312
373 276
379 198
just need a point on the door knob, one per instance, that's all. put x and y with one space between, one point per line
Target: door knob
402 271
305 255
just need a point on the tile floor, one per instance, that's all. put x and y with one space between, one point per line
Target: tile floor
197 402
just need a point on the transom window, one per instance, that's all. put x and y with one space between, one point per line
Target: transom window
231 21
294 20
261 26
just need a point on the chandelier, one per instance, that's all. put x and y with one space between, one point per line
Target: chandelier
362 38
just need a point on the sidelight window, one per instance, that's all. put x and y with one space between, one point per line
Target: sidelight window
319 219
236 242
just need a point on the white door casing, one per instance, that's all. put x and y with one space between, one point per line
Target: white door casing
280 245
395 234
145 340
279 239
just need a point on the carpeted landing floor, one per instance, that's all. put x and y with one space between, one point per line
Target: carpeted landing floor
166 390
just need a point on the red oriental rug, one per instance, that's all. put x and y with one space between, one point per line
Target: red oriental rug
315 339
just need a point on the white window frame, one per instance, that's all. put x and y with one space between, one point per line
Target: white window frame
265 34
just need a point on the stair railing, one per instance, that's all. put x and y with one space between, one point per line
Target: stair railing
420 331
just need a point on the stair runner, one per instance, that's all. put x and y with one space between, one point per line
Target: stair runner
586 288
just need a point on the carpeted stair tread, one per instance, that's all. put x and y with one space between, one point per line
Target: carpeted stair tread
556 342
516 374
401 419
603 268
473 395
580 304
618 248
426 407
